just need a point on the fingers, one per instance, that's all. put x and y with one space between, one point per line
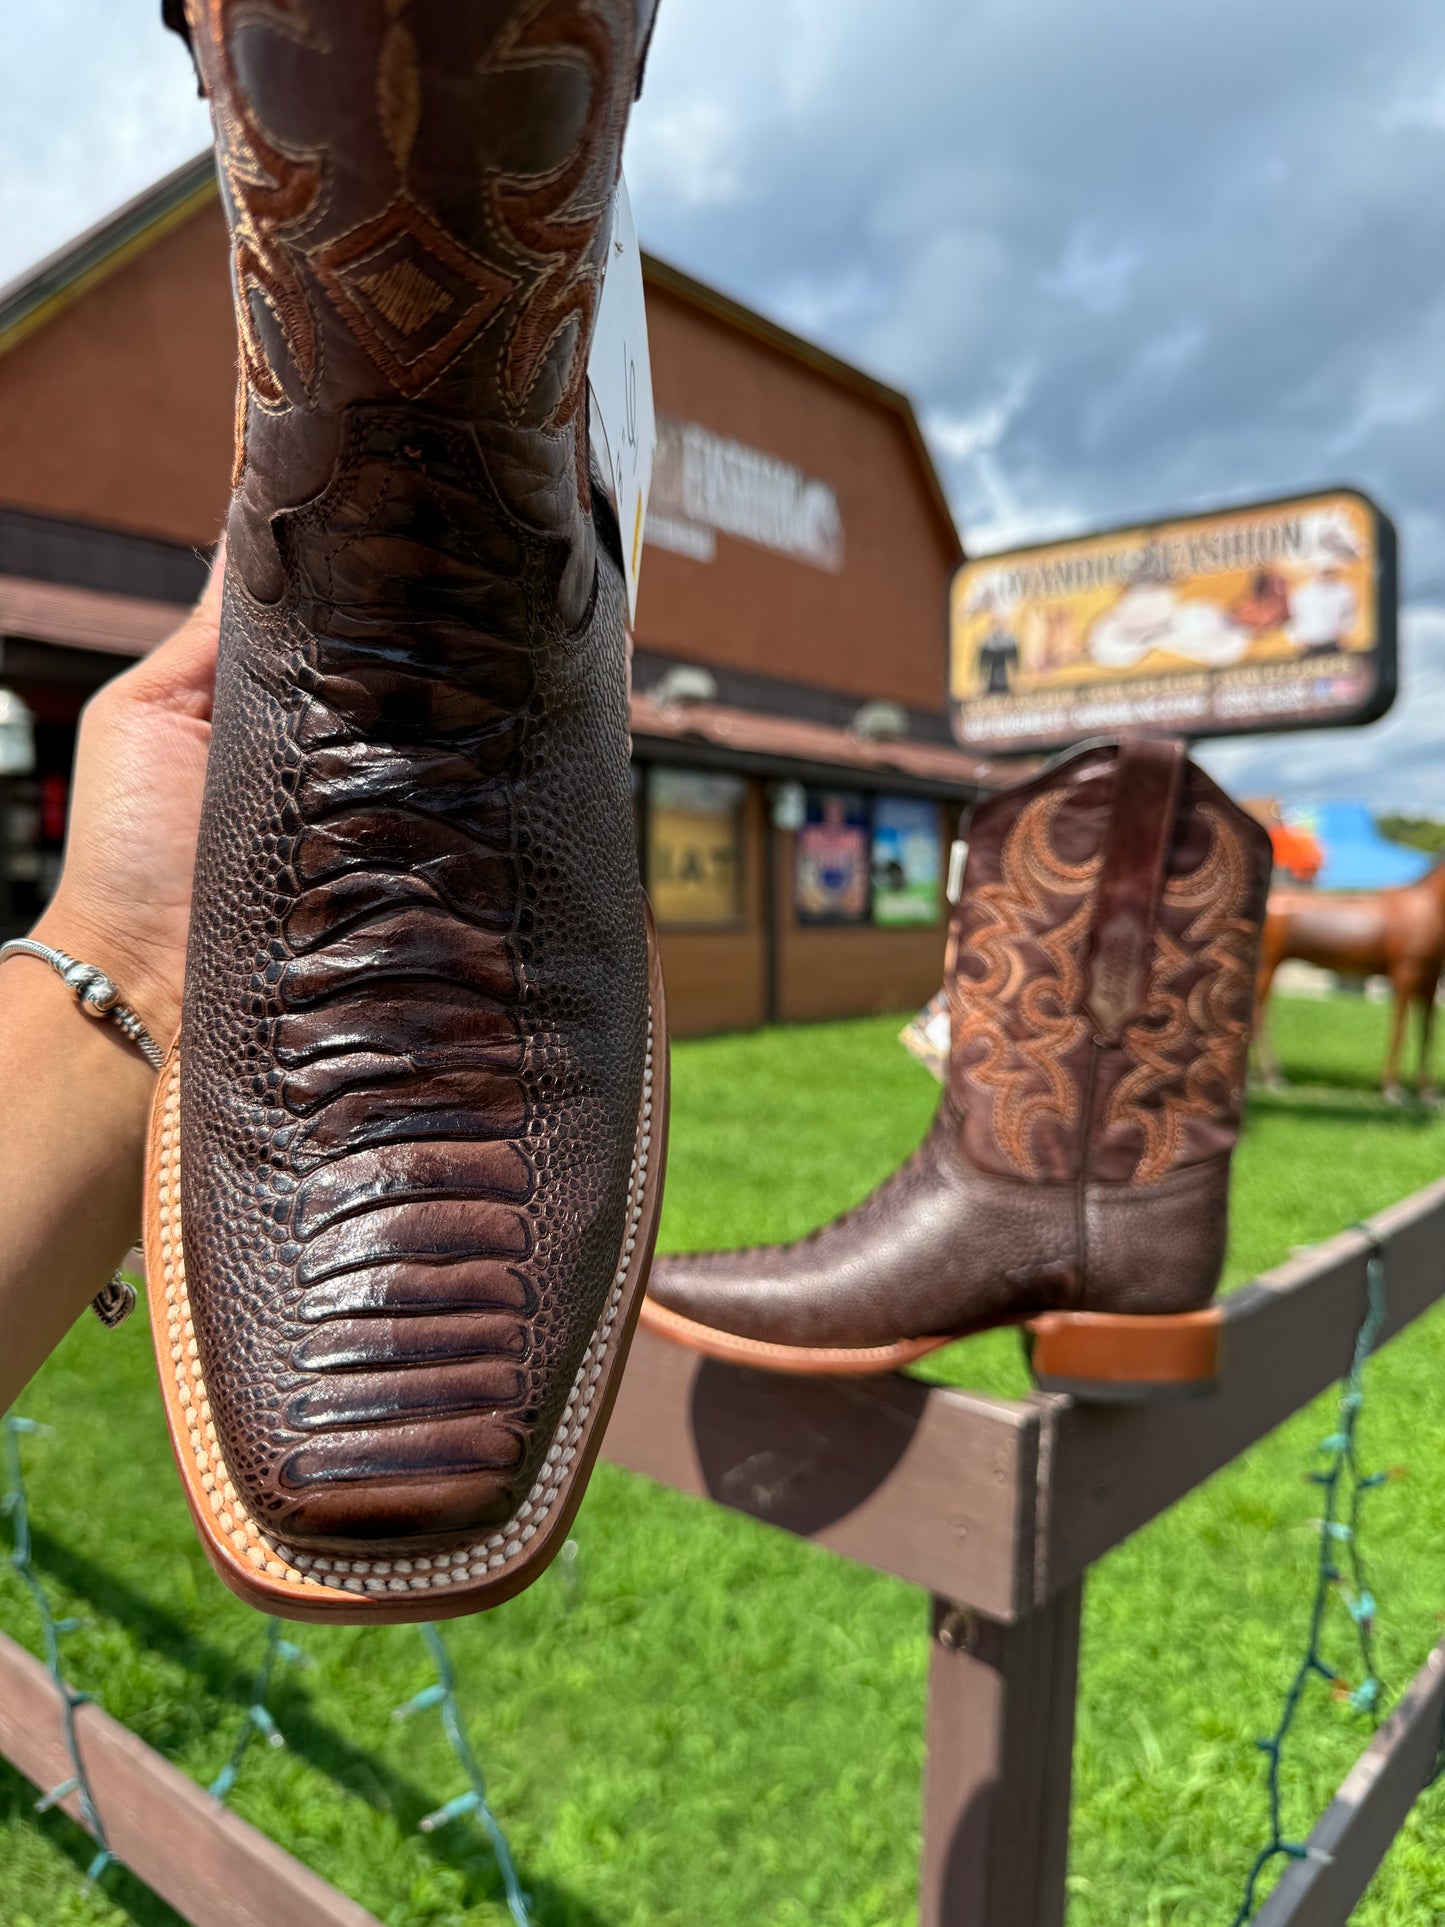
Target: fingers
181 673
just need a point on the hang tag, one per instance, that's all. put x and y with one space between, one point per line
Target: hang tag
957 862
619 379
927 1036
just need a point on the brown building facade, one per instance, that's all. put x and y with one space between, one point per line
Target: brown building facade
795 783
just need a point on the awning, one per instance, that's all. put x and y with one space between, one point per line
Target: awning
707 734
788 747
120 625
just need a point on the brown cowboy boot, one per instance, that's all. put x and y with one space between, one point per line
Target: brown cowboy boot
1101 981
407 1154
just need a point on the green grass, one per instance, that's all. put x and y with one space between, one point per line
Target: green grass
718 1724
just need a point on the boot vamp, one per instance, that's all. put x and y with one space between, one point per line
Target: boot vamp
416 1013
938 1248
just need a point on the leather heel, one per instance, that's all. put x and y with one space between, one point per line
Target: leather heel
1110 1357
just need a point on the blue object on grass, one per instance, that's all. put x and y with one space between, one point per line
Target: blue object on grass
1357 856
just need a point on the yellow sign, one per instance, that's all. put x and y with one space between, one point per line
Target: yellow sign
694 847
1277 616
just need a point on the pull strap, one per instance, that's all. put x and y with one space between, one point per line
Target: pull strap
1147 779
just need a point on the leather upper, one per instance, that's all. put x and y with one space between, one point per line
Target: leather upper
416 1008
1042 1093
1080 1155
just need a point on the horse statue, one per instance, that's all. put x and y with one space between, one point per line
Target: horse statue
1397 933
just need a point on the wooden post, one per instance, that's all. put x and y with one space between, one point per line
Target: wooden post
999 1766
1287 1337
206 1861
999 1508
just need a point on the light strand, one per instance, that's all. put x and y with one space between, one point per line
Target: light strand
442 1695
16 1507
1339 1468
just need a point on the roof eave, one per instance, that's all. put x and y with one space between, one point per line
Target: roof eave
38 295
710 300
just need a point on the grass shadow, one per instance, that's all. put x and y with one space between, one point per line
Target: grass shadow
350 1766
1347 1103
118 1887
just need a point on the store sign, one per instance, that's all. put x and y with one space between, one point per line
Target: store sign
705 485
907 860
694 847
831 862
1277 616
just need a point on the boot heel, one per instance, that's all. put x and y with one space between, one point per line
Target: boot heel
1109 1356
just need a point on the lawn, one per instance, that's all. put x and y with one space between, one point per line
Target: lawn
706 1723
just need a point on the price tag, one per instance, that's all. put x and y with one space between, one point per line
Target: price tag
619 378
927 1036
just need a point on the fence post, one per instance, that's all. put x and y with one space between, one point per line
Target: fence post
999 1765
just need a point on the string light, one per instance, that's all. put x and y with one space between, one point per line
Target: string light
1339 1536
16 1508
442 1695
259 1722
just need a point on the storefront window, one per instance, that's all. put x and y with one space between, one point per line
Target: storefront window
695 846
33 809
907 860
830 880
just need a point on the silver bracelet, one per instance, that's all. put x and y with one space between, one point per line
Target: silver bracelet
99 997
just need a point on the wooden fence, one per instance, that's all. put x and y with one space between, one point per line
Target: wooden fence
997 1506
1000 1507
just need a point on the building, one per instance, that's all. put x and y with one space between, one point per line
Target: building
795 779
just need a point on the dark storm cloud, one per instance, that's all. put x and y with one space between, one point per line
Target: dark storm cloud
1196 247
1128 256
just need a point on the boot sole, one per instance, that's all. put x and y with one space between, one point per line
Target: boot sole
1099 1356
259 1567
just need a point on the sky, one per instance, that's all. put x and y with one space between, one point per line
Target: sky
1128 258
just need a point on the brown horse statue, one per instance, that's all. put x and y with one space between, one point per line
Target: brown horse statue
1399 934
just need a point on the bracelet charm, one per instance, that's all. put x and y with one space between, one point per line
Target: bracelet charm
96 993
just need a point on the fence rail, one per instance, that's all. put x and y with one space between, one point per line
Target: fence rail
997 1506
208 1863
1351 1836
1000 1507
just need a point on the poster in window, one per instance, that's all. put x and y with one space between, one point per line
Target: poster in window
907 860
831 875
694 843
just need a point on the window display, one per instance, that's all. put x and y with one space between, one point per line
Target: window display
695 846
831 873
907 860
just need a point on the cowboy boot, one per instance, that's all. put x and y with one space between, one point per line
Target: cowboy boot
407 1152
1101 976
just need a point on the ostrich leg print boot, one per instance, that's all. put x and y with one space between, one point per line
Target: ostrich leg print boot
1101 974
407 1153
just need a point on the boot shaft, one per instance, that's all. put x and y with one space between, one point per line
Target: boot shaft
1105 951
419 196
421 1023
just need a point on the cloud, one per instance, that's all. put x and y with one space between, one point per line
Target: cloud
1395 764
97 101
692 148
1095 272
1129 259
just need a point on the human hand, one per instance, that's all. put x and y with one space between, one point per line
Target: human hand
124 897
